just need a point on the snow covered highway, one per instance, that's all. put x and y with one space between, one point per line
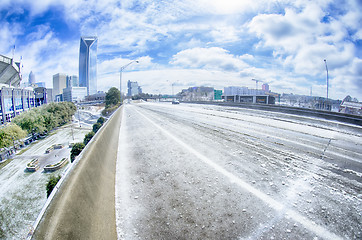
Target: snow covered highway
193 171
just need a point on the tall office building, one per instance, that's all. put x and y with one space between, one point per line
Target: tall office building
59 83
31 78
88 64
265 87
72 81
133 88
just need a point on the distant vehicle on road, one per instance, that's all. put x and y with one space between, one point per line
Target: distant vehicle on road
175 102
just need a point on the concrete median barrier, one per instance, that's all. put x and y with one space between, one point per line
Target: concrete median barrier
84 205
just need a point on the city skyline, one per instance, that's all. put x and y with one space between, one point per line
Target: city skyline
194 43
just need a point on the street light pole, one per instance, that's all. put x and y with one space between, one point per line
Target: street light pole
325 61
120 76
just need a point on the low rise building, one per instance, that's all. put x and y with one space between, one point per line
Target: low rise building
133 89
246 95
351 108
15 100
100 96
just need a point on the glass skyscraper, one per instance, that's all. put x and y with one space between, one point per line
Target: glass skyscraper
88 64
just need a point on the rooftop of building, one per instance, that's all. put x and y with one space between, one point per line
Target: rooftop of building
9 71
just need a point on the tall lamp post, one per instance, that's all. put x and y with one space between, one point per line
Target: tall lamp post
325 61
120 75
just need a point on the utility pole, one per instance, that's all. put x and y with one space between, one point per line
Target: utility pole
79 117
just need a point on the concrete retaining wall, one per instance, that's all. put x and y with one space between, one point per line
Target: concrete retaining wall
342 117
84 206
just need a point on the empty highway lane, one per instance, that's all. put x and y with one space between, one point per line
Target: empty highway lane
210 172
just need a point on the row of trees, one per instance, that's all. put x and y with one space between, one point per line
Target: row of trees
113 101
53 180
36 121
46 117
78 147
10 133
145 96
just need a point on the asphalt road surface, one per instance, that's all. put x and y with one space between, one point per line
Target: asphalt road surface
208 172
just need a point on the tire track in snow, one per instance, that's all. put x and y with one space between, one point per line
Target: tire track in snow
277 206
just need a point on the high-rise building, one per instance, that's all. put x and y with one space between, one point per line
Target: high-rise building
72 81
31 78
265 87
59 83
88 64
74 94
133 88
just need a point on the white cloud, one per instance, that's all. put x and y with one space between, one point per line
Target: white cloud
8 37
109 71
161 80
301 39
289 32
225 33
208 58
300 34
47 56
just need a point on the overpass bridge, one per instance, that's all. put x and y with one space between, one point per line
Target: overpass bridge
198 171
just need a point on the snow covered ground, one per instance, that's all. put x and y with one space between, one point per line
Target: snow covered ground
23 194
209 172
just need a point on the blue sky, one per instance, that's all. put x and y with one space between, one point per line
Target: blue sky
214 43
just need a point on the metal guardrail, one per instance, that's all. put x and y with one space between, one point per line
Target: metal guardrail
328 115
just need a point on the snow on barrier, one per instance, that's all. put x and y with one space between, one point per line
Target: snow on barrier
342 117
82 206
32 166
54 167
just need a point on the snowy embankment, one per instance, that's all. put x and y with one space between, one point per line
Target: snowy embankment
23 193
